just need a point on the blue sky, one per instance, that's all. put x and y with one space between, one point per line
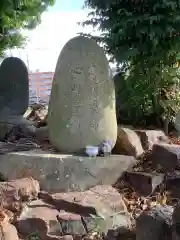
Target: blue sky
59 24
67 5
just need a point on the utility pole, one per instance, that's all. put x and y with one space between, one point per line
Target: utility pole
27 58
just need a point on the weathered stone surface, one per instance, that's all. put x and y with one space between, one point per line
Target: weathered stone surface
144 183
58 172
176 223
29 111
7 147
128 142
173 184
13 193
15 125
8 232
166 155
35 236
42 133
40 218
151 137
14 92
36 112
14 96
6 215
155 223
102 199
82 103
75 213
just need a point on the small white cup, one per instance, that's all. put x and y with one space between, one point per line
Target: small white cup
92 151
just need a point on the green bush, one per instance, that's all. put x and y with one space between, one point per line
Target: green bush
143 36
142 101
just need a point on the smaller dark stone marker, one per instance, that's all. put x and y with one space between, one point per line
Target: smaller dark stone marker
14 90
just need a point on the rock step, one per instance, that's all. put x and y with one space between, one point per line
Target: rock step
54 215
63 173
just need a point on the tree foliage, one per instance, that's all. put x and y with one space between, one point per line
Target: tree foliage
143 37
16 15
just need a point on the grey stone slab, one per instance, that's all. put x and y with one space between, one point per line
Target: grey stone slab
60 172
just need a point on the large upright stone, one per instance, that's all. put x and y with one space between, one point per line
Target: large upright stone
82 103
14 87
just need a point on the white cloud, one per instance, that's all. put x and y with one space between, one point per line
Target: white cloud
47 40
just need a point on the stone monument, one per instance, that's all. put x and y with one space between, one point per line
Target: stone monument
14 90
14 94
82 102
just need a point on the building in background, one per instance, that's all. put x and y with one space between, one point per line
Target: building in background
40 84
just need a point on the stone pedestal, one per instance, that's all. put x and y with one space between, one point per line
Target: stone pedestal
63 173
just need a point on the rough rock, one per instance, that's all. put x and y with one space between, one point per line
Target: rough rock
40 218
176 223
29 111
6 215
37 113
13 193
42 133
35 236
7 147
14 92
155 223
165 155
82 103
15 126
8 232
60 172
144 183
128 142
151 137
75 213
173 184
